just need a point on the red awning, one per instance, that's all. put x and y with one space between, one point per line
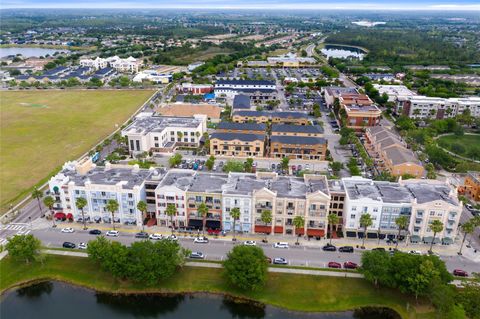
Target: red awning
299 231
278 230
59 215
316 232
263 229
69 216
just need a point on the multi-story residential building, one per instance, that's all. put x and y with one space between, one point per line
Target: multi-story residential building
247 128
129 64
337 203
237 144
360 110
391 154
297 118
258 91
241 102
297 130
423 107
98 185
332 93
293 147
162 133
472 185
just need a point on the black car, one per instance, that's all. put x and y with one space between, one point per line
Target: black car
141 235
329 247
346 249
95 232
68 244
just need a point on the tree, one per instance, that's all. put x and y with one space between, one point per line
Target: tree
171 211
175 160
420 283
210 162
246 267
469 296
376 267
266 218
332 220
142 207
202 210
81 203
37 194
284 163
249 165
235 214
112 256
365 222
298 222
436 226
23 247
49 202
467 229
112 207
336 167
233 166
402 223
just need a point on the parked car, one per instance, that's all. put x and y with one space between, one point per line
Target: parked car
280 261
468 206
68 230
334 264
250 243
68 244
197 255
95 232
460 273
329 247
172 237
350 265
82 246
280 245
415 252
112 233
141 235
201 240
346 249
155 236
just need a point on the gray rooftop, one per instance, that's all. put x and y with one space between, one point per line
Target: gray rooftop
208 183
241 126
400 155
270 114
303 140
425 193
242 184
145 125
237 136
307 129
178 178
379 191
289 187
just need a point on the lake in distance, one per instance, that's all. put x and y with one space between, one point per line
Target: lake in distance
342 52
28 52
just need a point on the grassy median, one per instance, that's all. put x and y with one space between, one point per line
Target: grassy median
290 291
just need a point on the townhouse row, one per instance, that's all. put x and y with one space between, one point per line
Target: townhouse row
313 197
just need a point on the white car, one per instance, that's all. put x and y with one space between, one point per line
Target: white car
196 255
280 245
82 246
155 236
201 240
112 233
415 252
68 230
172 237
250 243
280 261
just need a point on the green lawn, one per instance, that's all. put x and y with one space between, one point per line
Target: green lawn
466 145
40 130
294 292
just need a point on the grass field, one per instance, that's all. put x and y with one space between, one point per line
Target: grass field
294 292
466 145
40 130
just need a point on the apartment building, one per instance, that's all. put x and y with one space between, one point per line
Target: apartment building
163 133
337 203
237 144
259 91
360 111
423 107
294 147
246 128
391 153
332 93
394 92
472 185
296 118
129 64
297 130
98 185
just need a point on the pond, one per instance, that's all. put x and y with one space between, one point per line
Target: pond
28 52
55 300
343 52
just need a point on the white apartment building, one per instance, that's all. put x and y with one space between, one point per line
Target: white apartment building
129 64
230 88
393 91
162 133
421 107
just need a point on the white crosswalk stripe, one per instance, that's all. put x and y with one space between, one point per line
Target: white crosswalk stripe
3 241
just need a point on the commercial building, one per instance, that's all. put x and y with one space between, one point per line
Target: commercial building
259 91
129 64
212 112
360 111
472 185
297 118
192 88
423 107
332 93
237 144
163 133
393 91
152 76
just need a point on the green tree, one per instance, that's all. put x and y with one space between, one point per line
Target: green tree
235 214
420 283
332 220
210 162
436 226
299 222
266 218
376 267
336 167
81 203
37 194
23 247
249 165
48 201
233 166
112 256
175 160
365 222
246 267
112 206
284 163
402 224
202 210
142 207
467 229
171 211
469 296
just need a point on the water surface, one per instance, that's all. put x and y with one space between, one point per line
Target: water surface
28 52
343 52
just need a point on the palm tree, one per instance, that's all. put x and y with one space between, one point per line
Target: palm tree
365 222
298 222
37 194
112 207
402 223
49 202
235 213
202 212
171 211
332 220
142 206
81 203
436 226
266 218
467 228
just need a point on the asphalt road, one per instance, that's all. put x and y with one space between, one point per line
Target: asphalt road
217 249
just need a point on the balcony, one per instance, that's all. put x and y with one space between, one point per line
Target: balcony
263 206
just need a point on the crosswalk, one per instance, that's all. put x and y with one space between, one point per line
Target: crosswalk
16 229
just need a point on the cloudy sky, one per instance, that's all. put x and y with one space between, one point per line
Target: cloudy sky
251 4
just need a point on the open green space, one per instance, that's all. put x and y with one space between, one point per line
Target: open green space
291 291
465 145
40 130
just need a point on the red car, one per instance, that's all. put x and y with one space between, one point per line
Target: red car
334 264
460 273
350 265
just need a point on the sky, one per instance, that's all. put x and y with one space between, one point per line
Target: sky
442 5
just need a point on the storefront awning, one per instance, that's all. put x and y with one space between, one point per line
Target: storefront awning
213 224
315 232
429 239
415 239
69 216
195 223
447 241
60 215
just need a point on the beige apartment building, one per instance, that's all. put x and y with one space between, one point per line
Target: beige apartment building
237 144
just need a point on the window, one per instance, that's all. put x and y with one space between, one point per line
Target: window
352 216
432 213
354 208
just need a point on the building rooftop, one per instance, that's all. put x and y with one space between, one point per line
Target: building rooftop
335 91
292 187
208 183
189 110
151 124
387 192
242 184
399 155
304 140
178 178
241 101
288 128
244 82
429 192
237 136
270 114
241 126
